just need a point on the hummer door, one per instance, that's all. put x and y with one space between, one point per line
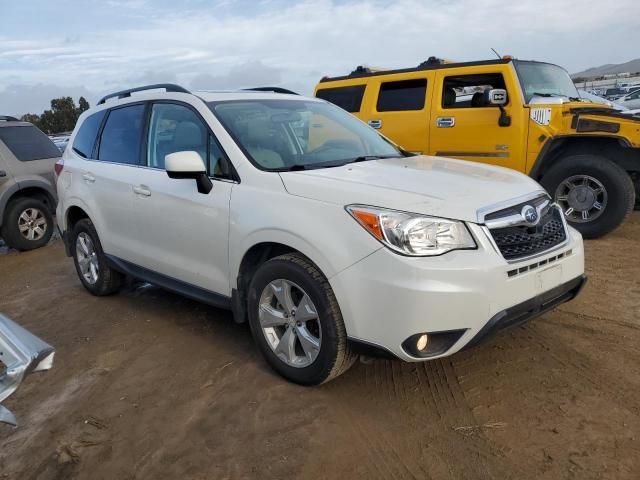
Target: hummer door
399 110
465 126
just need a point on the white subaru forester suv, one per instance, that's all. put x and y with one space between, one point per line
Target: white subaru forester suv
304 221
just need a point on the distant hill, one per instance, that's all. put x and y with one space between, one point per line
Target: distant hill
608 69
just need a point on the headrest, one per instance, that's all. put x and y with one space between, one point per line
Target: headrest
449 97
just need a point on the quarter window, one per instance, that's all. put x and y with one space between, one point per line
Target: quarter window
347 98
28 143
467 91
121 136
403 95
86 137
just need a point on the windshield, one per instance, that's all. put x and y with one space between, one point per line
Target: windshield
299 135
544 79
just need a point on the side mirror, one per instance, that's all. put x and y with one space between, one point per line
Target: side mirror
498 97
188 164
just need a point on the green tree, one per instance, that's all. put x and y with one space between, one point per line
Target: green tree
61 118
83 105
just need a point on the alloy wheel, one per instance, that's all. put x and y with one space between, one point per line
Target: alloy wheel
87 258
290 323
32 224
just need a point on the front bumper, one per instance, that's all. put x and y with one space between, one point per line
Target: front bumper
387 298
22 353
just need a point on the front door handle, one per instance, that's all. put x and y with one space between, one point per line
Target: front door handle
377 124
88 177
142 190
445 122
3 173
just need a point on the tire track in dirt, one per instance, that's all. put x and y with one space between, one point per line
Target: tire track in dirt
430 396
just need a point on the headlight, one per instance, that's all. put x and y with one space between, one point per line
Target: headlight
413 234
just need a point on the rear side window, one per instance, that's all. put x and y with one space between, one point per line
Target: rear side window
28 143
403 95
122 135
347 98
86 136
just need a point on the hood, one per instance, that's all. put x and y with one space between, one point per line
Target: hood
443 187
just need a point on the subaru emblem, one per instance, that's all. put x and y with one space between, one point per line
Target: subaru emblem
530 214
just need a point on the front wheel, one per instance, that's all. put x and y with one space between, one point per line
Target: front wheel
296 322
595 194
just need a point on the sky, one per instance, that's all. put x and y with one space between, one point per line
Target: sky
74 47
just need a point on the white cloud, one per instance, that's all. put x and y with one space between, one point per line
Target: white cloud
295 44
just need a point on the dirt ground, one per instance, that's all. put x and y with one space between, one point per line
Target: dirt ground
148 385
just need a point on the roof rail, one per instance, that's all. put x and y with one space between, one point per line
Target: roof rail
271 89
169 87
7 118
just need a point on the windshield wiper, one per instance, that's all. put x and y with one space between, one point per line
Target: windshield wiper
365 158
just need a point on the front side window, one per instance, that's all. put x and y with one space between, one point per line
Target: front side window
122 134
545 80
28 143
467 91
297 134
403 95
176 128
347 98
86 137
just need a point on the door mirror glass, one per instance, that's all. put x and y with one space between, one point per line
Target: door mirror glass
496 96
188 164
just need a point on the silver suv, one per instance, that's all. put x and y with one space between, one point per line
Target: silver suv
27 188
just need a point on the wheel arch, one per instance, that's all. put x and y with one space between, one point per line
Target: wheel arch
29 191
253 257
616 149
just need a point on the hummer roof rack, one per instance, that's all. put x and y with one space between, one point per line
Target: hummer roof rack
169 87
432 63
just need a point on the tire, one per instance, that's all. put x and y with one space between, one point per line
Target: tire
334 356
107 280
27 217
599 178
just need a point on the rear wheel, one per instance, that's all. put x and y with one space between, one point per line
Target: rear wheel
296 322
28 224
90 261
595 194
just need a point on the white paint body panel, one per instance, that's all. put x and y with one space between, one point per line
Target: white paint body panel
384 297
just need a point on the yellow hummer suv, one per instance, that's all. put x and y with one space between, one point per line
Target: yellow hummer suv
523 115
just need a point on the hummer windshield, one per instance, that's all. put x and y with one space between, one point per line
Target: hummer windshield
545 80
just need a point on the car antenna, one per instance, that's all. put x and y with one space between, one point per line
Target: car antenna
497 54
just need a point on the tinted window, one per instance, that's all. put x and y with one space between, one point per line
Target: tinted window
86 136
348 98
28 143
467 91
120 140
405 95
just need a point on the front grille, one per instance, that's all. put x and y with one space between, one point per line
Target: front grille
520 241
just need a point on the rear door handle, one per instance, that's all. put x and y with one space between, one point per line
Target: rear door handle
88 177
445 122
3 173
377 124
142 190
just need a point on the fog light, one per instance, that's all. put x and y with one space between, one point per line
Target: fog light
421 344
